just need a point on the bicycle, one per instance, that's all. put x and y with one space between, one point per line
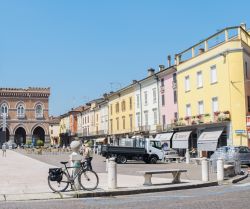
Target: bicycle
59 179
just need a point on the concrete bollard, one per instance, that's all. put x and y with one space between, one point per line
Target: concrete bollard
112 174
237 167
187 156
107 163
220 169
205 169
75 160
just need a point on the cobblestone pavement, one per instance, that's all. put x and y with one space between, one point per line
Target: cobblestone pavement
221 197
130 168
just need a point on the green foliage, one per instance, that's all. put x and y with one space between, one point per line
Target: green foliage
39 142
28 142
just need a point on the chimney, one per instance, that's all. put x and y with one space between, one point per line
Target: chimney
201 50
169 60
243 25
161 67
134 81
151 71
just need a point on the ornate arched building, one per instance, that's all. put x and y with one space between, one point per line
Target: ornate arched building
27 112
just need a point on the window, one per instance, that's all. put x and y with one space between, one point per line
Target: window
145 98
20 111
187 83
138 118
199 79
4 109
213 73
117 107
248 103
188 110
117 124
123 106
111 109
174 77
138 101
215 106
154 95
246 71
131 122
123 123
200 108
130 103
162 82
163 120
155 116
146 118
97 118
175 96
163 100
39 111
111 125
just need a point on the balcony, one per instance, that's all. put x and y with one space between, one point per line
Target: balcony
21 116
39 116
174 84
145 128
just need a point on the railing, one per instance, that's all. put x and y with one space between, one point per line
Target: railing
216 39
20 116
39 116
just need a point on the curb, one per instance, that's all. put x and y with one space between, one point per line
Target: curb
116 192
240 178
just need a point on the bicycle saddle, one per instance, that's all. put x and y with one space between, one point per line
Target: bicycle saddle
64 163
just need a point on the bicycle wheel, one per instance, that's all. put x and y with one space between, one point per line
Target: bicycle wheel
59 186
88 180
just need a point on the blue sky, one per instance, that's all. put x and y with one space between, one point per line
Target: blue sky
82 49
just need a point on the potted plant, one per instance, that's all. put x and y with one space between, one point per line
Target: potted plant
226 112
187 118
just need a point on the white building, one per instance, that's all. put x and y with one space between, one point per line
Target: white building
147 104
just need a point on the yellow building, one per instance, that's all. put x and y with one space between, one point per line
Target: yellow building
214 88
121 112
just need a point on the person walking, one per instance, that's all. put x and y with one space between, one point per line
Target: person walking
88 155
4 149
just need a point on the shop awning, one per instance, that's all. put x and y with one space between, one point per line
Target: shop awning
164 137
180 139
100 140
208 139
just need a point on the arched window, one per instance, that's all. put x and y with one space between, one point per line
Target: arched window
39 111
4 109
20 111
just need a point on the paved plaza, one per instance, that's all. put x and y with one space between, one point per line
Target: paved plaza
23 173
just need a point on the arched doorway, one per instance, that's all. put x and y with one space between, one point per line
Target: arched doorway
7 136
38 134
20 136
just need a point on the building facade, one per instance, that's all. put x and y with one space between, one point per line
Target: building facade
27 114
213 88
54 130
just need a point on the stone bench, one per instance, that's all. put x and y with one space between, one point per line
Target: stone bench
169 158
175 172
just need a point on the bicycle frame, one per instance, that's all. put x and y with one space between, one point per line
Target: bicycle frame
74 175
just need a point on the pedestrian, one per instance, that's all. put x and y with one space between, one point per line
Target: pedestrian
88 155
4 149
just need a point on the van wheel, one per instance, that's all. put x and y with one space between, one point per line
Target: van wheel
153 160
121 159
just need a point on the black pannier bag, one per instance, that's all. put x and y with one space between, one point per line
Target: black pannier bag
55 174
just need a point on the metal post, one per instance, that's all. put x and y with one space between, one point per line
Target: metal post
112 174
220 169
187 156
205 169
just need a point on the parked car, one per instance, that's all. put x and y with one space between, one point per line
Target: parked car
230 153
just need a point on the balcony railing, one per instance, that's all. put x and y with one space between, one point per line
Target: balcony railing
20 116
39 116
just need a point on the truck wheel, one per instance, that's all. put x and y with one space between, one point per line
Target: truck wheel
121 159
146 160
153 160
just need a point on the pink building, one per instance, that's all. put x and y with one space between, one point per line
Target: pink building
167 95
